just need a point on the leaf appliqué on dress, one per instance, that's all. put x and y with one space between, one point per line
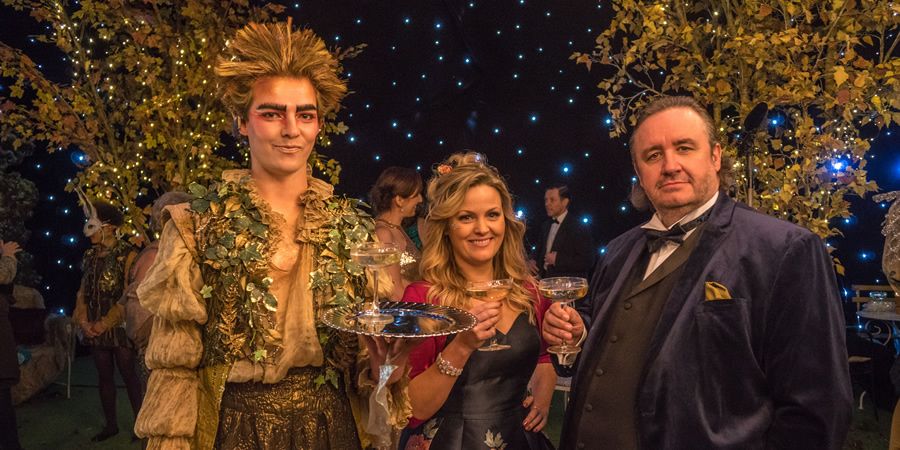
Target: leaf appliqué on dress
494 441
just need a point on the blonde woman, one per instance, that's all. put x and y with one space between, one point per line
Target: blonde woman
461 397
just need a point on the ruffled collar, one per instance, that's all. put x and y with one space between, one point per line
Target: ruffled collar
313 200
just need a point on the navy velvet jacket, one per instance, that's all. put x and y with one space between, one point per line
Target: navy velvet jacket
764 369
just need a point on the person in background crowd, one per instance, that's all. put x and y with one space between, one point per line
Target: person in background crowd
9 362
565 248
99 315
138 321
463 398
710 326
395 197
415 226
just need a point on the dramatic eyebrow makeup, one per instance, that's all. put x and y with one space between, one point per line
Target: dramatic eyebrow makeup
278 107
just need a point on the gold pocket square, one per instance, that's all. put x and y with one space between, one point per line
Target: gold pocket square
715 291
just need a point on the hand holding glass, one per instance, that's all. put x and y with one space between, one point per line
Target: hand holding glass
490 291
564 290
374 256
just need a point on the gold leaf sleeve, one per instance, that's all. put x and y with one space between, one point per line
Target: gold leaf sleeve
171 291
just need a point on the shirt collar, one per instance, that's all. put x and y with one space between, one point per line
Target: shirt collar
562 216
655 222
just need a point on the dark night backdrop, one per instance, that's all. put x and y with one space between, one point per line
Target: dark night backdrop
439 77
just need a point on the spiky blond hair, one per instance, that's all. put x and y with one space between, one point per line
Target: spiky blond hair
274 50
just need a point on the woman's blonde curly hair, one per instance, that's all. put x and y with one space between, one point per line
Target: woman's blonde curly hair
274 50
446 193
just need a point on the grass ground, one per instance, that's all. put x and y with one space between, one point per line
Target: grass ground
50 421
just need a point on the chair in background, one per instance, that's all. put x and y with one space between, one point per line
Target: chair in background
861 361
69 340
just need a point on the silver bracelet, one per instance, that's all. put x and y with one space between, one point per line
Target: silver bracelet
446 368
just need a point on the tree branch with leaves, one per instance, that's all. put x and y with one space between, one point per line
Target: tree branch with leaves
141 101
825 69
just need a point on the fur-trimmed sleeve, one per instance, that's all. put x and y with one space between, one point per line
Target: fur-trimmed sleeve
171 291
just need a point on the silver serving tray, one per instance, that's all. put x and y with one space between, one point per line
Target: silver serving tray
411 320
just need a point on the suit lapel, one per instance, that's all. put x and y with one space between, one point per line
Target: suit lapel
713 235
671 263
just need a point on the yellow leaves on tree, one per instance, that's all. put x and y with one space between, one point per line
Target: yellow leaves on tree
141 101
825 69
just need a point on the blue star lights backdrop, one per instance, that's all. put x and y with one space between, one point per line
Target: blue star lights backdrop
444 76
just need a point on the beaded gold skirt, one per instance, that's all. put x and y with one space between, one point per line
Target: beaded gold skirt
291 414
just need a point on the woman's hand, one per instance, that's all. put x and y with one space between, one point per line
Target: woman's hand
487 315
537 415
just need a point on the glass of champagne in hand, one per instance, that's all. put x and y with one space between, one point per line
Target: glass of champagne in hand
374 256
490 291
564 290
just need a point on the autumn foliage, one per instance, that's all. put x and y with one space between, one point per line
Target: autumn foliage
141 101
824 68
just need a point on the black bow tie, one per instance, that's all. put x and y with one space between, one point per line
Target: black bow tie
656 238
554 221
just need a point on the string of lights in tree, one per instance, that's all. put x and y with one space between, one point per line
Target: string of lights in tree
435 78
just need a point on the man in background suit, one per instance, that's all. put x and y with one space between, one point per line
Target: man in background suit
565 248
710 326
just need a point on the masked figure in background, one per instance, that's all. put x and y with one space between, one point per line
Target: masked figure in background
98 314
239 357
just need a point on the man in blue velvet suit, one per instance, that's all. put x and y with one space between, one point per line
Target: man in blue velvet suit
710 326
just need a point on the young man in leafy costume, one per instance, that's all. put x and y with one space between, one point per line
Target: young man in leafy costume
239 357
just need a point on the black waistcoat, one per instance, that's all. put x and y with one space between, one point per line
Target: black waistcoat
604 415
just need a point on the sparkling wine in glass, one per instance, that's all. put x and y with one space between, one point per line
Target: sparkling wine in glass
374 256
490 291
564 290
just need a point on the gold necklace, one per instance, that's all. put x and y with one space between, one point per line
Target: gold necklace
390 225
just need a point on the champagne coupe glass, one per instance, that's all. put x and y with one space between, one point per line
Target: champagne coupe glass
490 291
374 256
564 290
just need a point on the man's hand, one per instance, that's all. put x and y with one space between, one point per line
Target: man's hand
98 328
87 328
9 248
562 324
550 259
384 350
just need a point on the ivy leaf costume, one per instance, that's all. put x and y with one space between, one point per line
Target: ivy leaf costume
227 313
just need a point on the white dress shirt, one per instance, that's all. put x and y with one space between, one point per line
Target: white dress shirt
551 236
669 247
